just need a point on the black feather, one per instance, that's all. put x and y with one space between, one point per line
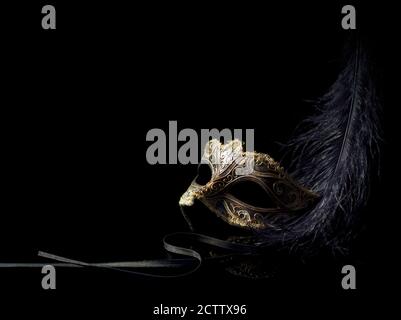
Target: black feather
333 155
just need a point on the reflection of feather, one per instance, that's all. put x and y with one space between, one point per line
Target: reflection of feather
334 152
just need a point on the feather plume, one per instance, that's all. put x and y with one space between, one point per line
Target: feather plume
333 155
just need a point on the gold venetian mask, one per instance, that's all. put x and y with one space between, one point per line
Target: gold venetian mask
230 167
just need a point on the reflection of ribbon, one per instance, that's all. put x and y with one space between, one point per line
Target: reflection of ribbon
193 261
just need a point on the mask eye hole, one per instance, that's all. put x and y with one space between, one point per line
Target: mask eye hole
253 194
204 174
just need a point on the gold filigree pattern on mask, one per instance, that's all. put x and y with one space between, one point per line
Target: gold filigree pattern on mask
230 165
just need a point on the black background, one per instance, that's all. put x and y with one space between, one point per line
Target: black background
78 103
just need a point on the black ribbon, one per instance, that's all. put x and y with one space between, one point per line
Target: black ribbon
193 258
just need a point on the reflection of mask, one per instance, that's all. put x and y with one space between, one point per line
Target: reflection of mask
232 167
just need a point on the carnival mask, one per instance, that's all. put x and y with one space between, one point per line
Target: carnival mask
231 167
